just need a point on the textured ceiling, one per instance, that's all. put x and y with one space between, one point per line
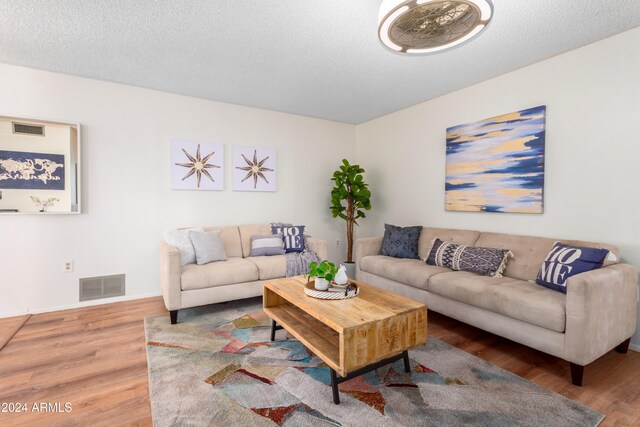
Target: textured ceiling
318 58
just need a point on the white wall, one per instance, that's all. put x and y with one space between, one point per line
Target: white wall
126 199
592 149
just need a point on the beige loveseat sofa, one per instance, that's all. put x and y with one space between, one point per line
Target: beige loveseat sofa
597 314
241 276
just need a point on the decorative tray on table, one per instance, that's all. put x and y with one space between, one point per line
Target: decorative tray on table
334 292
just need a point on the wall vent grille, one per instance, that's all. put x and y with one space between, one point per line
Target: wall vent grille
25 129
102 287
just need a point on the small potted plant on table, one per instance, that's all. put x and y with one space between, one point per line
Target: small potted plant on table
324 273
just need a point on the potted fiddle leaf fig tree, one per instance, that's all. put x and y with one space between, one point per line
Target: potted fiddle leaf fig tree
350 197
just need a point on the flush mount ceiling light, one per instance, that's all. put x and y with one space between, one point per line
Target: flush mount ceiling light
427 26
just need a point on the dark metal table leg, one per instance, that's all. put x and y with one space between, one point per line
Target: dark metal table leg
405 356
335 380
274 328
334 387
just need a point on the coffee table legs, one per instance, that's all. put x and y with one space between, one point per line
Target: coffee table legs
334 386
335 379
274 328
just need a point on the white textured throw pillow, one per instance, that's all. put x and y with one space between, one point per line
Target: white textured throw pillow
180 239
208 246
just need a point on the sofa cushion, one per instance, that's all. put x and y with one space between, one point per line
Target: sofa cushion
401 242
412 272
565 261
181 241
231 239
208 245
529 252
485 261
234 270
292 236
510 297
270 267
267 245
460 237
613 257
246 231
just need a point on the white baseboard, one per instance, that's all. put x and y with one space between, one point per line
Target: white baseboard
80 304
12 314
635 347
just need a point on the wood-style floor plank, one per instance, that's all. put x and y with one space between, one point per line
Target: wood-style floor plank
95 358
10 326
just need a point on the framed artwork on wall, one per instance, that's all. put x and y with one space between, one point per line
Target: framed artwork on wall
254 169
497 164
31 171
197 165
40 167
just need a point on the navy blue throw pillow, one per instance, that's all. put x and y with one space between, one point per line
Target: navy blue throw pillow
488 261
293 237
565 261
401 242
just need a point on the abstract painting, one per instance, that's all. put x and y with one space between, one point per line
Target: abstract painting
497 164
254 169
31 171
197 165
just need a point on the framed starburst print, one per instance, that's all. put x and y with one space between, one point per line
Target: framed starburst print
254 169
197 165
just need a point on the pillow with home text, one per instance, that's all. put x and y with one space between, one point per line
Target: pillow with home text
565 261
293 237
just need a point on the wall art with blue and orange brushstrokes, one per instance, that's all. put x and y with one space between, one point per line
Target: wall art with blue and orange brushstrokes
497 164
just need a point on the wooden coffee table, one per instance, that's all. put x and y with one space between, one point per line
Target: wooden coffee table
353 336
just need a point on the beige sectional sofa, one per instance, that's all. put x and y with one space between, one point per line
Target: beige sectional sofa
597 314
241 276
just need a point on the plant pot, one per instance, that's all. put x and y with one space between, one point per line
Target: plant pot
351 269
321 284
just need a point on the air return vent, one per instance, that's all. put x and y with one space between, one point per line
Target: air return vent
25 129
102 287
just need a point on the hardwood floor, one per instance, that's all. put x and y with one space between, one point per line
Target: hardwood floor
9 327
95 359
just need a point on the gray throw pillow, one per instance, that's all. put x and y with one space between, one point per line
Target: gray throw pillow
401 242
208 246
267 245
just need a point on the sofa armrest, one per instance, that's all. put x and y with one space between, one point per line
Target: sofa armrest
319 246
366 247
601 311
170 270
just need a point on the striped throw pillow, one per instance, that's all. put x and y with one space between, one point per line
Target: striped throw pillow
267 245
486 261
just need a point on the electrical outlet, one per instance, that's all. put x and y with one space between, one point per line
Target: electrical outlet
68 266
338 242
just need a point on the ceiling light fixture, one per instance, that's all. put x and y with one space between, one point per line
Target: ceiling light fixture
428 26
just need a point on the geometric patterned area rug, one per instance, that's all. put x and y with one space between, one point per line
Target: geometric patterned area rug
218 367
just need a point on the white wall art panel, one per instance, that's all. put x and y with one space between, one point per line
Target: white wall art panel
197 165
254 169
